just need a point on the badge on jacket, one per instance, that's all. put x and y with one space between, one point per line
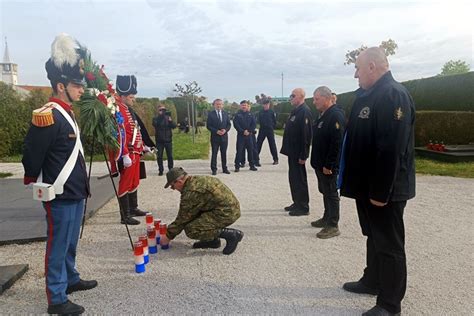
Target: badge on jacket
320 124
292 118
398 114
364 113
337 125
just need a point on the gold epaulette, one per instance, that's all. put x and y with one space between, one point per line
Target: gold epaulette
43 116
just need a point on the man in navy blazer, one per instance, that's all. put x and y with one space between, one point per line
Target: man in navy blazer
218 123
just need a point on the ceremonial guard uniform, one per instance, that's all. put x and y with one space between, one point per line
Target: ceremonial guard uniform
296 142
132 149
53 155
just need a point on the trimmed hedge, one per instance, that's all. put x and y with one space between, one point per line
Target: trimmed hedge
440 93
450 127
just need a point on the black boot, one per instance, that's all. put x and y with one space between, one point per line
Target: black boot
126 218
232 238
214 244
133 200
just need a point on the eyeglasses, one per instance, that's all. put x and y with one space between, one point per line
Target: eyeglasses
292 96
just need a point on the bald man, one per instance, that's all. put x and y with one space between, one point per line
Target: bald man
296 141
379 173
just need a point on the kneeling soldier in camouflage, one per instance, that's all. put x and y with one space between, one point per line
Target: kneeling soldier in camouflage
206 208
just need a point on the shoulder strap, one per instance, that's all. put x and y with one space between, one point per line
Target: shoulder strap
71 162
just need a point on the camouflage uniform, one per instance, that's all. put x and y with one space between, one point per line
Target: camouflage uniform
207 205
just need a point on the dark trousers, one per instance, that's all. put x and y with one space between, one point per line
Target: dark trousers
244 143
216 146
386 262
262 134
256 158
159 155
298 184
328 188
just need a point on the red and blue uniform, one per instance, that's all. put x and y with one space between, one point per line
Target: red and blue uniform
48 146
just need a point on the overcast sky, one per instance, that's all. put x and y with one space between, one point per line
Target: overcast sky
237 49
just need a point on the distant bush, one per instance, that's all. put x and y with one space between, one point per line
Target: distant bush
440 93
450 127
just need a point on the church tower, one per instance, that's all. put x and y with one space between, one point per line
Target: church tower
9 69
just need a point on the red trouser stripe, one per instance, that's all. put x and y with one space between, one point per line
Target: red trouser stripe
47 206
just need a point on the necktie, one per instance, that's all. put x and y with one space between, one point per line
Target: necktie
220 116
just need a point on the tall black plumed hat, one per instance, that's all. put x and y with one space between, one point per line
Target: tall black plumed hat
126 85
66 63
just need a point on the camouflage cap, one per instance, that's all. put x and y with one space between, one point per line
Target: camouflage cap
174 174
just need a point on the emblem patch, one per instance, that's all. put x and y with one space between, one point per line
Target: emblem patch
292 118
320 124
337 125
399 114
306 121
364 113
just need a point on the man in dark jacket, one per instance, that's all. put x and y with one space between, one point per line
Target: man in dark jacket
244 123
218 124
267 120
379 173
296 143
164 125
328 131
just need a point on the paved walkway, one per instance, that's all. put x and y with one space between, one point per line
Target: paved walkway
279 268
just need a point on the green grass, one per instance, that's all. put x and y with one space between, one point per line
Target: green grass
438 168
5 174
184 148
279 132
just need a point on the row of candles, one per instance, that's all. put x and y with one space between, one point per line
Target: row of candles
148 244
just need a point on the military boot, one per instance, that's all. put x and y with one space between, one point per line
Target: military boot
126 218
328 232
214 244
232 238
133 200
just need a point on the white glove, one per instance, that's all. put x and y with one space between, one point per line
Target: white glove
127 162
146 149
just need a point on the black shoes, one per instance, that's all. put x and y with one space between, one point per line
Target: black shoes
242 164
214 172
258 164
289 208
298 212
359 288
232 238
129 221
214 244
226 171
68 308
253 168
275 162
137 212
82 285
236 169
160 173
379 311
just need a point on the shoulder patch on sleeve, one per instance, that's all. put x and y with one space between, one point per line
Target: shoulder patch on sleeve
398 114
337 125
306 121
43 116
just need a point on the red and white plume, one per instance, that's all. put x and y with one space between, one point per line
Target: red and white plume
64 50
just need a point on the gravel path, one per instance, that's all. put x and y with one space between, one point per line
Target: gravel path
279 268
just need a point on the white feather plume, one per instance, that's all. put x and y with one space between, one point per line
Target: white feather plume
63 50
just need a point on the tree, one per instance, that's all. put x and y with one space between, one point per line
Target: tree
188 92
389 46
454 67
